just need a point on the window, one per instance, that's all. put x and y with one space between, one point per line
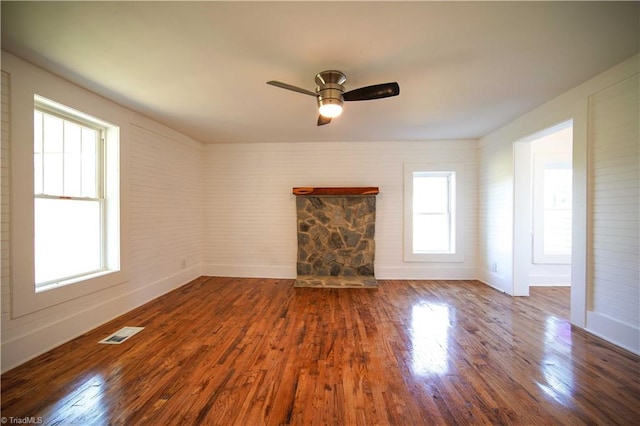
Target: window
75 238
433 212
431 216
552 210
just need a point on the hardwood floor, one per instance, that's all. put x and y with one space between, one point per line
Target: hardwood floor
235 351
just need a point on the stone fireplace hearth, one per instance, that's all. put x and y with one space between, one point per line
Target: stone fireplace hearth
336 229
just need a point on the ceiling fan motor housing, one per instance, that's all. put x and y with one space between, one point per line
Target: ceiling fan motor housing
330 88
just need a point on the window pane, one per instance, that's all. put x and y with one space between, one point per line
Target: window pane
52 134
67 238
72 174
53 159
430 194
557 209
431 233
72 139
557 188
72 158
557 232
53 174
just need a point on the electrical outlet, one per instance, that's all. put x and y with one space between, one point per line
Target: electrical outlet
184 263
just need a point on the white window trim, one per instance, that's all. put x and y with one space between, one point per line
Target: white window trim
25 298
458 254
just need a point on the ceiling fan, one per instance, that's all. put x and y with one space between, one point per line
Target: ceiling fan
330 93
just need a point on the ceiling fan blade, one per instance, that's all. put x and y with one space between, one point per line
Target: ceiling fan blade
293 88
377 91
322 120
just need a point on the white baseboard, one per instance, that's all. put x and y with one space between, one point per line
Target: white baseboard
614 331
550 280
434 273
21 348
488 284
381 273
496 281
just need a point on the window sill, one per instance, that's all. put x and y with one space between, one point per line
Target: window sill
434 257
75 280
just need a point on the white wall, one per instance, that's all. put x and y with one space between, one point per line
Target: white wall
495 214
496 195
613 274
162 213
250 222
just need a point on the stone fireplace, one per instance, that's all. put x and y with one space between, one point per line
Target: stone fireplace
336 229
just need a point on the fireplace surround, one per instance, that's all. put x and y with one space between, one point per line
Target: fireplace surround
336 230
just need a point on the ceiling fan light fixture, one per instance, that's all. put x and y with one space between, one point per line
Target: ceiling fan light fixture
330 108
330 90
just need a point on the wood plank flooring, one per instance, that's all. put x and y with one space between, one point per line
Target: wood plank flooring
230 351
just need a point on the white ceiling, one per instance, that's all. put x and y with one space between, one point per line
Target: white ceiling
464 68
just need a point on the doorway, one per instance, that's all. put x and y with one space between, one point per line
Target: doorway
542 209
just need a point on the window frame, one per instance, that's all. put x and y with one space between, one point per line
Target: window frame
47 107
456 217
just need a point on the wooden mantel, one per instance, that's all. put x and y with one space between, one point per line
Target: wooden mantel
351 190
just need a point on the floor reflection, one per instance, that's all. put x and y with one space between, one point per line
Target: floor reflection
430 338
84 404
557 366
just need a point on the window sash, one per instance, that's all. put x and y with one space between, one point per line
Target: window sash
89 150
432 182
60 253
438 226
